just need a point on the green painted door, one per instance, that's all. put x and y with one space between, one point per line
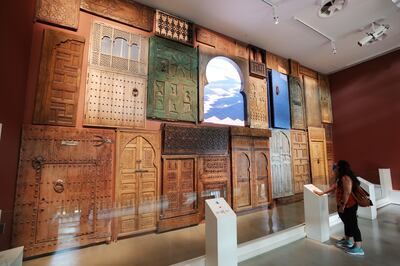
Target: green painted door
172 85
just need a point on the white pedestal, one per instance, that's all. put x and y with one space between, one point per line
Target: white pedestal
12 257
221 239
386 182
368 212
316 214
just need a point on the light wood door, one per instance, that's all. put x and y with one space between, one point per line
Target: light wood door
281 164
313 109
300 160
318 158
137 181
325 99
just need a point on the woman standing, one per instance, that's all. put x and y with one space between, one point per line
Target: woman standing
347 206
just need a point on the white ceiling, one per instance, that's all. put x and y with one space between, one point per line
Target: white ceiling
251 21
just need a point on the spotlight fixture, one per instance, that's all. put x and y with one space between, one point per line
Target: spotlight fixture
333 45
274 11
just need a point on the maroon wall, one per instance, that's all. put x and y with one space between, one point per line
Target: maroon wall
16 31
366 109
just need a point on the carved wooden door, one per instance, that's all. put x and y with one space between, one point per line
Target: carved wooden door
138 160
214 180
59 79
179 192
300 160
313 109
330 156
257 103
297 103
281 164
325 99
318 158
172 87
244 184
64 189
262 178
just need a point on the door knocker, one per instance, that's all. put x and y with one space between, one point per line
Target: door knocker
58 186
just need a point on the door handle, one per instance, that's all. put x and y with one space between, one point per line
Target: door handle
141 171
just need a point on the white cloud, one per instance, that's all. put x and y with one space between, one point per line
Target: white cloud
225 121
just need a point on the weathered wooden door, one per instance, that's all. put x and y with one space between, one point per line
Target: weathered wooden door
318 158
59 79
172 88
179 193
281 164
243 187
330 156
64 189
300 160
138 160
313 109
262 178
297 103
325 99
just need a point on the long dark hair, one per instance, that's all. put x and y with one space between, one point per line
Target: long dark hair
343 168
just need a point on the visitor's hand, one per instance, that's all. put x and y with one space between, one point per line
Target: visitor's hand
319 193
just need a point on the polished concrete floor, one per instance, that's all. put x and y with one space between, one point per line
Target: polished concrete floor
381 239
175 246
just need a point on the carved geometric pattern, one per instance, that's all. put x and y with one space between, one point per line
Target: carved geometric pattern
297 103
59 79
281 164
174 28
329 151
300 160
59 12
181 140
137 176
125 11
318 157
64 189
325 99
257 103
115 100
257 61
312 99
172 87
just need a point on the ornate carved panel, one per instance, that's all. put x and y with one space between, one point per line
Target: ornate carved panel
281 167
64 189
180 140
179 191
277 63
59 79
308 72
257 62
330 155
214 180
118 50
325 99
313 110
137 181
115 100
257 103
294 68
318 158
125 11
208 53
297 106
300 160
279 96
172 88
174 28
59 12
251 182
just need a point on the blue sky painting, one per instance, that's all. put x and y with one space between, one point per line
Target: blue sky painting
279 95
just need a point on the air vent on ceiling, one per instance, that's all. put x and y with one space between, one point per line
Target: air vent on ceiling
331 7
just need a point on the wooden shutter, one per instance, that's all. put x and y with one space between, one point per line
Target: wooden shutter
281 167
297 105
172 88
318 158
59 79
64 13
325 99
137 181
300 160
64 189
257 103
313 110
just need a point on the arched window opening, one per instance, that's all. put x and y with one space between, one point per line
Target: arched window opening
224 102
134 52
120 47
106 45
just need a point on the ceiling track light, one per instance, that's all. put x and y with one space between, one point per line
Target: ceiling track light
333 45
274 11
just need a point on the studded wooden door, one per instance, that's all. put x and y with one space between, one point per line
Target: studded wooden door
214 180
313 109
179 193
281 167
318 158
172 87
64 189
297 103
325 99
300 160
59 79
137 182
